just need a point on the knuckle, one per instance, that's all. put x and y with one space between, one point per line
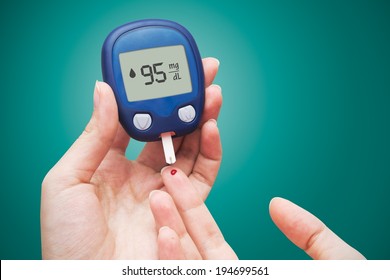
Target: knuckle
202 178
312 241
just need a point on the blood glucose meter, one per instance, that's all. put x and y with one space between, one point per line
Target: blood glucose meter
156 72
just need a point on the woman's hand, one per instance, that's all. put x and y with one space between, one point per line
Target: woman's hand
95 201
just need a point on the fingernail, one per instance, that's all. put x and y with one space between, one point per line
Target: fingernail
217 60
165 167
163 228
96 94
173 172
151 193
213 121
217 86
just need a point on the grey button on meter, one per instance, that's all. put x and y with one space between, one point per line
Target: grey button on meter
142 121
187 113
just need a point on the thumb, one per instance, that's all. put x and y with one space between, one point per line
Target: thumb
85 155
309 233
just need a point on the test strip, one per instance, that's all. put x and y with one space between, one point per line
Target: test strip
169 151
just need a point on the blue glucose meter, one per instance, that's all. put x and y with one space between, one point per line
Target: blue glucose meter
156 72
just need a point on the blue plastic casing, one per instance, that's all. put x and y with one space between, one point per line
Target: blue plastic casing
146 34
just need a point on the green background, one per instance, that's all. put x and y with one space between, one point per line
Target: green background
305 115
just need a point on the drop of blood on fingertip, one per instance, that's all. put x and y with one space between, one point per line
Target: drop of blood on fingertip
173 171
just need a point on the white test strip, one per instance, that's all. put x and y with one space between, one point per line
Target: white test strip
169 151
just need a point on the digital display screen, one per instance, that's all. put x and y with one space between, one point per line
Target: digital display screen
155 73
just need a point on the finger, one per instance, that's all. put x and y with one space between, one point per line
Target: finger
196 217
165 214
201 158
189 149
85 155
213 103
168 243
188 152
208 161
121 140
210 68
309 233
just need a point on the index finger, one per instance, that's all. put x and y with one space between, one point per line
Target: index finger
309 233
196 217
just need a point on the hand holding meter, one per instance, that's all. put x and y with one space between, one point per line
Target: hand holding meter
156 72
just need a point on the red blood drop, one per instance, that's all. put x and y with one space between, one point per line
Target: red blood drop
173 171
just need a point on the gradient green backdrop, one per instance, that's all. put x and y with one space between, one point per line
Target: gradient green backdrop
305 115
